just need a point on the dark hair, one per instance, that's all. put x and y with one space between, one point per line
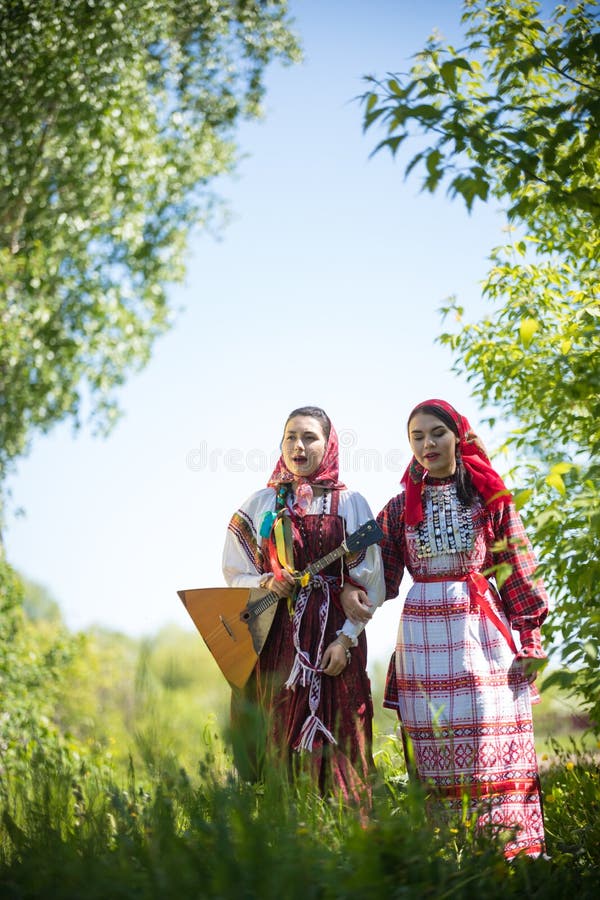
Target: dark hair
315 412
465 490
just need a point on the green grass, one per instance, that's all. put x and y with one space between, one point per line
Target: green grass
125 789
77 832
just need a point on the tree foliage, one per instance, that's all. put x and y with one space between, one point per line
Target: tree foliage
514 113
115 116
99 699
514 116
34 659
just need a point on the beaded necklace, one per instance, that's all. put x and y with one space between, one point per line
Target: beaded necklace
447 525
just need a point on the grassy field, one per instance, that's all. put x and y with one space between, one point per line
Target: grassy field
73 834
124 788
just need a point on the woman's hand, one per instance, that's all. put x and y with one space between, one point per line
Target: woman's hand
356 604
283 587
472 438
528 666
335 658
531 667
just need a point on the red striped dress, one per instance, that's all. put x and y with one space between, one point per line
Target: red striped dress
454 680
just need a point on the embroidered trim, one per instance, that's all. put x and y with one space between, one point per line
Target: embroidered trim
304 672
242 527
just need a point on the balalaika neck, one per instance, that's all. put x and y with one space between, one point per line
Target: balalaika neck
313 569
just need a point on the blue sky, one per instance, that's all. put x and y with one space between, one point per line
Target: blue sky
324 287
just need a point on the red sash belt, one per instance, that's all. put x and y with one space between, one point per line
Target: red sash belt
478 586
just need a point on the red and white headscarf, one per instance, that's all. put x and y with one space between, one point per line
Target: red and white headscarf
484 477
326 475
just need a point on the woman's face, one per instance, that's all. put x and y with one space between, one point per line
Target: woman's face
433 444
303 445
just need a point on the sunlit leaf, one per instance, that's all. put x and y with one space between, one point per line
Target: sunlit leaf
522 497
556 481
371 102
502 573
527 329
561 468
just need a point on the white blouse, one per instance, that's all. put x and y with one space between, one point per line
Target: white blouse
241 544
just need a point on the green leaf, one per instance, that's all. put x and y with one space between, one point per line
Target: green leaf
502 573
562 468
556 481
462 63
448 73
522 498
425 111
392 143
371 102
560 678
527 329
414 161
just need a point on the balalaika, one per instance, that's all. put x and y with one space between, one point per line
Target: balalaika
235 622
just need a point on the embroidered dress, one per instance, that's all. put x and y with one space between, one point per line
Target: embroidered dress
463 701
288 707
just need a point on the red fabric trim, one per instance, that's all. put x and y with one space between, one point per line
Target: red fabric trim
535 849
334 500
478 586
531 643
349 580
526 786
337 599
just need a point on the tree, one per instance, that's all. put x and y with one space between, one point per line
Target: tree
115 116
34 661
514 116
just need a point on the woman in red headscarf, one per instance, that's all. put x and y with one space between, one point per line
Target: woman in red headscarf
458 681
308 701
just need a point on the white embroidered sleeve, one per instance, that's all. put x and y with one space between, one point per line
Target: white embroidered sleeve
242 559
